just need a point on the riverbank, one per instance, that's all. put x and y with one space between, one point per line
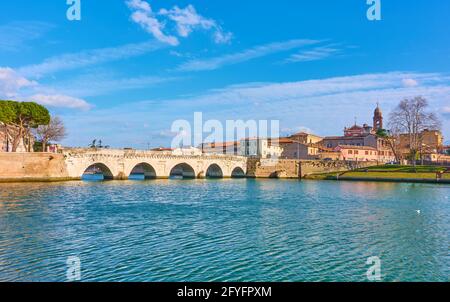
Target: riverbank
391 173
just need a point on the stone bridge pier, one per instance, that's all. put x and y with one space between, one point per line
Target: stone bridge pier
120 164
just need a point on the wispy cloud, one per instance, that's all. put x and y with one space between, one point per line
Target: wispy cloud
13 85
87 58
410 82
61 101
316 54
186 20
325 105
103 83
446 112
271 93
246 55
15 35
11 82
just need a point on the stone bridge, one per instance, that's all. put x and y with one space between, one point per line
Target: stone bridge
120 164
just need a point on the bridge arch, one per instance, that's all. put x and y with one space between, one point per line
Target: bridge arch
214 171
97 171
238 172
143 171
182 170
278 174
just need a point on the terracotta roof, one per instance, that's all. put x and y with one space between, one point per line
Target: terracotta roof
324 149
301 134
284 140
355 127
221 144
346 137
357 147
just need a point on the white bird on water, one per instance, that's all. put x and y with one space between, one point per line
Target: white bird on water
418 212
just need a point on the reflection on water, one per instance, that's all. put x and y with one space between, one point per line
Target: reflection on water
224 230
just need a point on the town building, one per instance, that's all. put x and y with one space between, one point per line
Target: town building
431 141
446 150
293 149
228 148
364 153
435 158
260 147
25 145
306 138
365 138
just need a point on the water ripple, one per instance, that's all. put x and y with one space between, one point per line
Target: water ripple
230 230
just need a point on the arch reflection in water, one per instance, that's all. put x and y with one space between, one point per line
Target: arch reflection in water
182 171
214 171
143 171
97 172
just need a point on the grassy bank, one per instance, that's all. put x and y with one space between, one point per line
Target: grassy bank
387 173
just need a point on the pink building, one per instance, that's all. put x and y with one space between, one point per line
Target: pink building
364 153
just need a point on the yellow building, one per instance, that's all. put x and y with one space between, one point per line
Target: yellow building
306 138
432 141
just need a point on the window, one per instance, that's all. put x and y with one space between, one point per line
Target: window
356 152
350 151
367 152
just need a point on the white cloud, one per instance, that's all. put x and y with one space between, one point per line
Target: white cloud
11 82
144 16
88 58
186 20
318 53
246 55
410 83
58 100
139 5
14 86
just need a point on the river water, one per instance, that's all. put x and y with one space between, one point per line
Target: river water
224 230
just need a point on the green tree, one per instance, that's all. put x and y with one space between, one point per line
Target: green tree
7 116
21 117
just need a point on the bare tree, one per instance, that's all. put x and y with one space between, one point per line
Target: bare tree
411 118
55 131
391 138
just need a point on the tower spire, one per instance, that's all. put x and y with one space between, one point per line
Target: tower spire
377 118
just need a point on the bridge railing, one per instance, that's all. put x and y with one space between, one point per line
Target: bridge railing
77 152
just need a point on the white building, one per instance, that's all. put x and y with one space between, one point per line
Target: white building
228 148
191 151
260 147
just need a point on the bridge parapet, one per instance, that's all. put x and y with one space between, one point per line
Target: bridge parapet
120 163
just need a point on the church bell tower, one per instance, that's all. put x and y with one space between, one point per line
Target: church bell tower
377 119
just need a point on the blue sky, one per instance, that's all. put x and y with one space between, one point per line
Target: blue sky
127 70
